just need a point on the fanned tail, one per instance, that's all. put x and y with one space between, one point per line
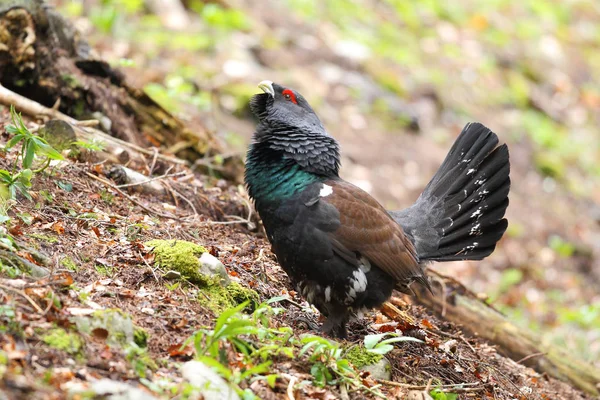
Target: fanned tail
460 214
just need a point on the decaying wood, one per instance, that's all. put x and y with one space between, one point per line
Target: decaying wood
477 318
42 57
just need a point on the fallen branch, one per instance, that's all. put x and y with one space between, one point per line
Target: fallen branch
131 199
479 319
83 131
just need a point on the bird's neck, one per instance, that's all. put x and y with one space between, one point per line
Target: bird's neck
272 178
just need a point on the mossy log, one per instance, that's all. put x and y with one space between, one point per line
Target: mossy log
43 58
463 308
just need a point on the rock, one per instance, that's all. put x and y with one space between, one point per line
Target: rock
380 370
208 383
210 265
120 327
116 390
172 275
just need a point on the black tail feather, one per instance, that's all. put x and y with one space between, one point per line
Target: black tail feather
459 215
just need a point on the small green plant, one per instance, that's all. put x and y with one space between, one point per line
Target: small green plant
378 345
32 146
437 394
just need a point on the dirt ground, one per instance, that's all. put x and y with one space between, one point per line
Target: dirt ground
75 217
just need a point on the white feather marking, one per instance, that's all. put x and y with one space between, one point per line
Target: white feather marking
470 171
475 230
359 283
459 207
476 213
326 190
328 294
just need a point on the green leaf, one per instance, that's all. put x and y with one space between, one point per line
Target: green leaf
14 140
217 366
271 380
4 218
26 218
372 340
381 349
49 151
29 154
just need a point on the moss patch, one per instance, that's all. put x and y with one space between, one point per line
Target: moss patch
180 256
122 332
44 238
183 257
218 298
360 357
69 264
60 339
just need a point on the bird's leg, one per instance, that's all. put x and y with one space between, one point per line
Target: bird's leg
335 324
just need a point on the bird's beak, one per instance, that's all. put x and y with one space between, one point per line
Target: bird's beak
267 87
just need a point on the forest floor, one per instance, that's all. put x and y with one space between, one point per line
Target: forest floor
450 69
95 240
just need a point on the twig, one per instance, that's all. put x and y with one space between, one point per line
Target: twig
23 294
156 178
148 265
472 387
530 356
131 199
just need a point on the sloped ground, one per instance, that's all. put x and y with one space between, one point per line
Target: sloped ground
529 72
94 239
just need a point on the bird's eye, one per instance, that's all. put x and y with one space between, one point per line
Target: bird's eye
289 95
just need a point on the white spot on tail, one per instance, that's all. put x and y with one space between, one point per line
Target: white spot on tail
475 230
326 190
477 213
471 171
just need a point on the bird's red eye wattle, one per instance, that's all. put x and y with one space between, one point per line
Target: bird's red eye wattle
289 95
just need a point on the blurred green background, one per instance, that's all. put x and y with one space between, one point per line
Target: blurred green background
395 81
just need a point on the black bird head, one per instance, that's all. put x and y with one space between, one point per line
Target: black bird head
289 125
285 106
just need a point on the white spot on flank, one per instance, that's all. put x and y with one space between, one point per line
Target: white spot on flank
328 294
459 207
470 171
359 283
326 190
480 182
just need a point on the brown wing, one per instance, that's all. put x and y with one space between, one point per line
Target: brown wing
367 228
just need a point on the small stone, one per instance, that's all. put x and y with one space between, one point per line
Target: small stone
172 275
211 266
116 390
380 370
207 382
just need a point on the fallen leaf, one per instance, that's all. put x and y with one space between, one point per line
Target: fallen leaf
100 333
176 350
58 227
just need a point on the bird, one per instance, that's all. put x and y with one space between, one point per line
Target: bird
342 250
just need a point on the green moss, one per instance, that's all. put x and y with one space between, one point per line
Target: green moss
140 337
180 256
359 356
217 298
183 257
44 238
69 264
60 339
